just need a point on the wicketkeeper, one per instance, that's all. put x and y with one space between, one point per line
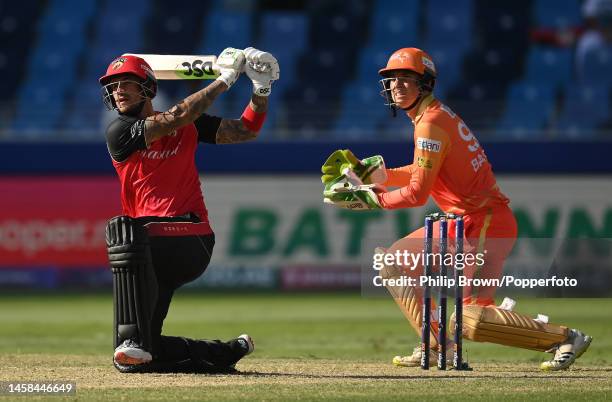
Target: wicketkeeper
164 238
449 165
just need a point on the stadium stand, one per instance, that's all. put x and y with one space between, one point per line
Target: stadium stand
504 86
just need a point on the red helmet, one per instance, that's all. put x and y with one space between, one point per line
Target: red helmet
129 64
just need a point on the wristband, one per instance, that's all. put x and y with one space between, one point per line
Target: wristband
252 120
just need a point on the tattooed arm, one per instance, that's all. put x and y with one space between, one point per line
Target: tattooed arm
233 130
184 112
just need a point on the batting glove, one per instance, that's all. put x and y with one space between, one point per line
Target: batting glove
231 63
263 69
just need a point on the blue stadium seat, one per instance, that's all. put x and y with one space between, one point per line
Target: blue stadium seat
529 108
557 14
449 23
549 64
113 35
218 26
597 67
361 109
585 108
448 61
394 24
371 60
52 68
277 29
19 26
447 38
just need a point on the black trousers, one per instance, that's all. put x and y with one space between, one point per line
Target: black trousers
178 260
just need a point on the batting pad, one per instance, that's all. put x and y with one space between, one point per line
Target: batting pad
410 302
134 281
495 325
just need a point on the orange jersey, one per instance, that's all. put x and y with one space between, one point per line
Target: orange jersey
449 164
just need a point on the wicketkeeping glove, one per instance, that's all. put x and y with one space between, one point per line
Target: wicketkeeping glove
231 63
344 194
369 170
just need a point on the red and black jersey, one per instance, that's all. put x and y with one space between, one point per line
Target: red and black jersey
161 180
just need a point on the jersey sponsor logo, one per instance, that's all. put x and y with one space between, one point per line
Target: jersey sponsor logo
427 144
424 163
165 154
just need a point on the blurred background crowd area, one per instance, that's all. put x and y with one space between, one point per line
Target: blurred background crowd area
514 70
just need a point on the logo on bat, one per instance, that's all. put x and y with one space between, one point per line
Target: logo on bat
197 68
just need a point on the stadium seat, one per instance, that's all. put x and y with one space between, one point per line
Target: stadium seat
113 35
529 108
218 26
361 109
597 67
449 23
17 37
557 14
277 28
585 109
394 24
550 65
52 68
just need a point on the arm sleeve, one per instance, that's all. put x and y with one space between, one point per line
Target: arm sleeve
124 136
398 177
431 144
207 127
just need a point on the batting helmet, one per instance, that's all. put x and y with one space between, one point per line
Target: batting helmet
135 65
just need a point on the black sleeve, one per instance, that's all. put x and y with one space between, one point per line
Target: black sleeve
207 127
124 136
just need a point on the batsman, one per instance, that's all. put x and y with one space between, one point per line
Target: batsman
164 238
449 165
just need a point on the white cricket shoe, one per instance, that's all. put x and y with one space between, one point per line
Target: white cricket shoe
414 360
576 344
129 353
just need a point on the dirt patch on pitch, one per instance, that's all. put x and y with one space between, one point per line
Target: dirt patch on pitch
97 373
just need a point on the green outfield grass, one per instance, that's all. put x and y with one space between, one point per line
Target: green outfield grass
310 346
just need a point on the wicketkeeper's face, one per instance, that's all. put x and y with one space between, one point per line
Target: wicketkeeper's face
404 87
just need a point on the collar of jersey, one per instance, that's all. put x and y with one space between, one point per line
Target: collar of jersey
428 100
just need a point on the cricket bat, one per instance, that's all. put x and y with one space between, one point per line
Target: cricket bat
181 67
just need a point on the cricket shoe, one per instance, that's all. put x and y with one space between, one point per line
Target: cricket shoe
129 353
414 360
576 344
246 343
